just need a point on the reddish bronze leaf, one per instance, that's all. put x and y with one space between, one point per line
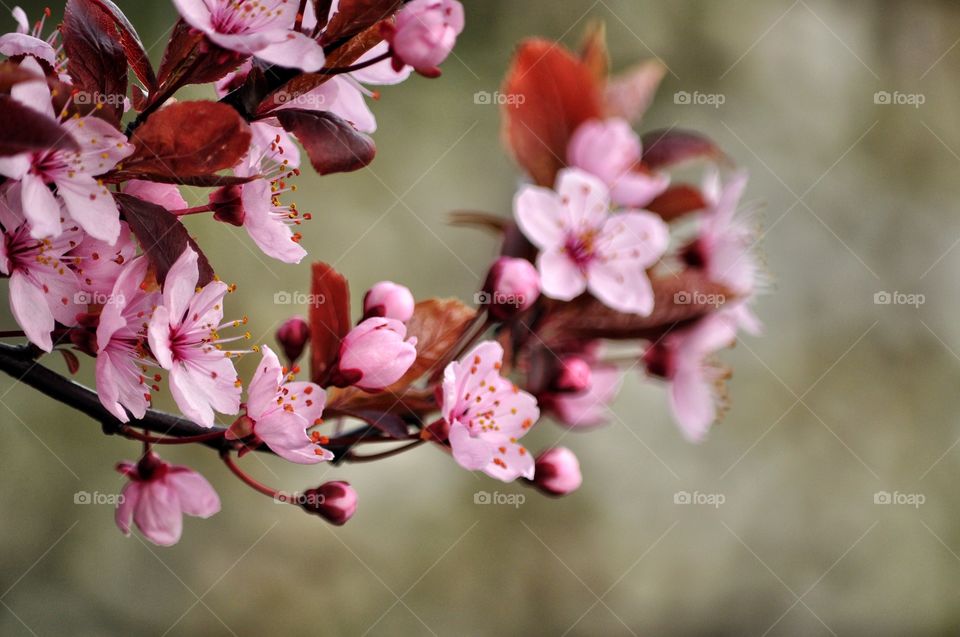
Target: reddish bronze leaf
392 425
96 60
593 50
684 297
25 129
677 201
354 16
161 235
329 315
549 94
437 325
666 148
188 139
192 59
130 41
334 146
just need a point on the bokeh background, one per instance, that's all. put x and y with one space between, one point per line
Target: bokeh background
841 399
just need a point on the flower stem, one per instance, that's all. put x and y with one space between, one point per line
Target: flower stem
129 432
339 70
249 481
352 457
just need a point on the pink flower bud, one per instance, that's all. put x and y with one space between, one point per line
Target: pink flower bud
557 472
334 501
293 336
424 34
389 300
512 286
374 354
574 375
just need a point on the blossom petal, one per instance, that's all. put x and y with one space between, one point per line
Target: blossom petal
538 213
560 278
471 453
40 207
29 307
285 433
296 51
126 505
197 497
157 513
90 205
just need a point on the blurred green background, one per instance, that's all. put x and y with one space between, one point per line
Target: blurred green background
840 400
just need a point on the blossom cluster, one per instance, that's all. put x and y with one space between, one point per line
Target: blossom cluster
598 252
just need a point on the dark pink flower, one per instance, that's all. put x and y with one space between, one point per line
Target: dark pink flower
158 495
334 501
389 300
512 286
424 33
557 472
374 354
293 337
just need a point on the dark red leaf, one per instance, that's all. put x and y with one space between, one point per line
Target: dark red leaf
25 129
677 201
354 16
192 59
329 316
188 139
549 93
665 148
161 235
334 146
130 41
73 363
96 61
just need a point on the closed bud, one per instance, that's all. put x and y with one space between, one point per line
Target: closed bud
512 286
293 336
388 300
334 501
424 34
573 376
227 205
557 472
374 355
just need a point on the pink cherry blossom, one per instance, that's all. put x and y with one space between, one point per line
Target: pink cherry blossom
183 336
158 495
723 247
73 173
389 300
611 150
256 206
683 358
424 34
557 472
584 247
487 415
262 28
98 264
374 354
43 287
279 411
121 343
579 399
334 501
30 41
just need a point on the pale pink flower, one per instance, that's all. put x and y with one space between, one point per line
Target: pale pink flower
512 285
487 415
389 300
183 337
684 359
557 472
43 287
256 206
584 247
262 28
74 174
424 34
611 150
374 354
98 264
164 195
158 495
723 247
279 411
30 41
121 343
